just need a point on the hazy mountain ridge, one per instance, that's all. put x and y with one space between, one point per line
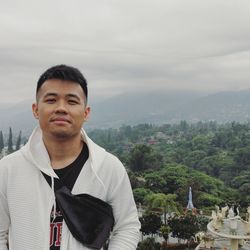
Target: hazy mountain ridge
155 107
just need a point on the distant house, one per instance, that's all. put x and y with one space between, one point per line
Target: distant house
127 146
161 136
152 141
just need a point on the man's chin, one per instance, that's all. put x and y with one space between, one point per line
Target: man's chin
62 135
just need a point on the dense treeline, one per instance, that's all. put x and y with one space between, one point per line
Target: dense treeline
212 158
7 146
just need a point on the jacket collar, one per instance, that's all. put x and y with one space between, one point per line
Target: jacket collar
36 152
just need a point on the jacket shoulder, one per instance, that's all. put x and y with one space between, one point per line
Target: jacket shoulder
9 162
113 163
10 159
6 164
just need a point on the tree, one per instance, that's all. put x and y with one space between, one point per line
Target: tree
135 181
1 141
242 157
149 244
241 180
140 194
18 143
154 182
208 200
10 143
165 202
143 157
176 176
165 231
194 157
183 126
186 226
200 142
150 224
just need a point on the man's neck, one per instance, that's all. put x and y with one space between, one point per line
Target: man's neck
63 152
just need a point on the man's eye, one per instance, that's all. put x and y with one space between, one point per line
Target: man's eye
72 102
50 100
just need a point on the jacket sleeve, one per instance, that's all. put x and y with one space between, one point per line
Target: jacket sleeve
4 213
126 232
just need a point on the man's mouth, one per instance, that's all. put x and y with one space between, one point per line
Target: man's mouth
60 120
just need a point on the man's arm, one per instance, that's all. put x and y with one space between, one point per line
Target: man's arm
126 232
4 223
4 212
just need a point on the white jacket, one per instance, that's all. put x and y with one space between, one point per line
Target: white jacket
26 199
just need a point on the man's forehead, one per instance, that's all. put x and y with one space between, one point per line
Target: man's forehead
60 87
54 83
68 94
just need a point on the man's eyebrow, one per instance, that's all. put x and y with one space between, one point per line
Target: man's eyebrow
73 95
55 94
50 94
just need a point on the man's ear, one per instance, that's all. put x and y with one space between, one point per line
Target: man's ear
35 110
86 113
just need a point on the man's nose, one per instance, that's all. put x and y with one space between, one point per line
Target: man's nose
61 107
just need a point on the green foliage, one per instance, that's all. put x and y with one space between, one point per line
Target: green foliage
1 141
242 183
176 179
10 143
242 157
149 244
201 143
165 231
18 143
154 182
218 150
136 181
150 224
194 157
143 157
186 226
175 175
202 222
209 200
140 194
165 202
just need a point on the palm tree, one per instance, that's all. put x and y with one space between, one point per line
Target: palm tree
165 202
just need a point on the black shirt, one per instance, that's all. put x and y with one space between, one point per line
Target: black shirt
68 176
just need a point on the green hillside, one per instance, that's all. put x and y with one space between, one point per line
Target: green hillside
213 159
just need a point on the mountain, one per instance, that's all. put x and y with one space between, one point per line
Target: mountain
18 117
221 107
154 107
134 108
172 107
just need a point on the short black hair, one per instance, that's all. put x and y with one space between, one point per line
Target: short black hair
63 72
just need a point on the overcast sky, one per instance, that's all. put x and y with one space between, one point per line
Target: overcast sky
126 45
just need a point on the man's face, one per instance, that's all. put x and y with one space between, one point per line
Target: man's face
61 109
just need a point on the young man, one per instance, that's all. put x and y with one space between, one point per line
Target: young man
30 218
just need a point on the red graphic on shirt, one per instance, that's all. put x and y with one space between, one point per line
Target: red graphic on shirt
51 241
55 233
55 229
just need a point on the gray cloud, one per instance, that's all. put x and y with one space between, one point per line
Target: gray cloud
126 46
